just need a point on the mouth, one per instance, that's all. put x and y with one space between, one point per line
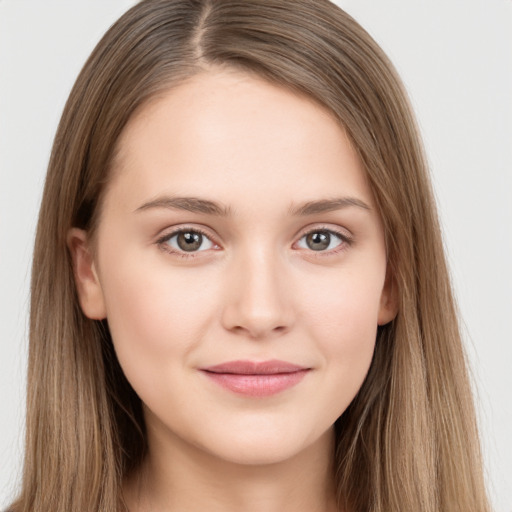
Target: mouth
256 379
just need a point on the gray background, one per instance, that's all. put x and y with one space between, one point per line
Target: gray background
455 57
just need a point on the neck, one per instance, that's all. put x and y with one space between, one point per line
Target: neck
178 476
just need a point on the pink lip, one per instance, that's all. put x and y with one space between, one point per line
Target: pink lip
256 378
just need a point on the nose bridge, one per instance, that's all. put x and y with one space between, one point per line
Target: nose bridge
258 301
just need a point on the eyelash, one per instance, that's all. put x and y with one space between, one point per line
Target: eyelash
346 241
162 242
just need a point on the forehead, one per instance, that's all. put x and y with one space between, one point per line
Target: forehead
236 136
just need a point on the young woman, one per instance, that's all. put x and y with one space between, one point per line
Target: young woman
240 299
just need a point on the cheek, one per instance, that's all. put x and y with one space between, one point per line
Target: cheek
342 317
344 305
156 317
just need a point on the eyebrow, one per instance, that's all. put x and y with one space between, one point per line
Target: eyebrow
205 206
327 205
189 204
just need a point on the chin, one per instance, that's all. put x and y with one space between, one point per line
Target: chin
265 448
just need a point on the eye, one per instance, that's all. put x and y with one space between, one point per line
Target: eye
186 241
322 240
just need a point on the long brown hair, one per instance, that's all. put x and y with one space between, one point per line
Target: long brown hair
408 442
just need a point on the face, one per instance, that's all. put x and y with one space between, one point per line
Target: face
241 265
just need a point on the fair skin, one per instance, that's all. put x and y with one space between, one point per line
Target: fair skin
270 277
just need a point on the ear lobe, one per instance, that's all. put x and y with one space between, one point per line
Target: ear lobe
388 300
90 293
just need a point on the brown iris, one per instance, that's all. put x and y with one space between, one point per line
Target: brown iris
189 240
318 240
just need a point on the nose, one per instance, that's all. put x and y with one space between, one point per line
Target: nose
258 302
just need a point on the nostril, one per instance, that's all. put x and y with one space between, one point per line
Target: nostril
259 331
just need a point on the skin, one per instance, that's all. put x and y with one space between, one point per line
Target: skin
254 290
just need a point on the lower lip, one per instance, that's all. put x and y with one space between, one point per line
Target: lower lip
257 385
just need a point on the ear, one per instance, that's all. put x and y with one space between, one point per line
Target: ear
388 300
90 293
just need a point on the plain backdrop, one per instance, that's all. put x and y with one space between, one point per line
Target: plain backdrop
455 57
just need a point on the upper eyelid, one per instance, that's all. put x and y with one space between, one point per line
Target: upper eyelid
339 231
166 237
325 228
346 240
172 231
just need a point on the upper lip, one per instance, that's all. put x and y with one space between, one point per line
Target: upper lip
255 368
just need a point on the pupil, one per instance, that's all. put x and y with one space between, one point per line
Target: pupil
318 241
190 241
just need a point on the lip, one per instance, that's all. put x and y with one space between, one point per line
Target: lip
257 379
